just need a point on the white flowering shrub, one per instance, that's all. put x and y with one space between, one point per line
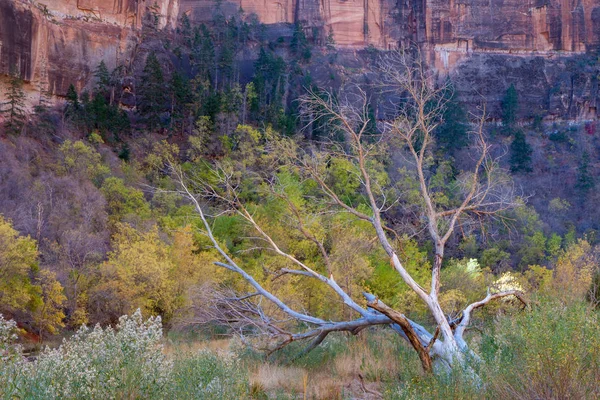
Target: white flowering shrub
8 336
472 268
507 281
99 363
125 362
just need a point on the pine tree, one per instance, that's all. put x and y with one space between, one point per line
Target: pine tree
152 96
203 55
510 105
14 108
72 97
520 157
102 79
299 44
585 180
181 97
73 106
330 42
452 133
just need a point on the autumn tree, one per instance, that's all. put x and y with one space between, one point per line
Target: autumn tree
370 197
31 293
139 273
18 260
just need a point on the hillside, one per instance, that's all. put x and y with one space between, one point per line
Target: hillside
284 176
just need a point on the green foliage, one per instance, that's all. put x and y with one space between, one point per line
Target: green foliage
14 107
181 97
585 178
122 200
534 251
550 351
520 153
510 106
299 44
269 71
389 287
205 375
82 161
452 132
103 81
73 105
152 91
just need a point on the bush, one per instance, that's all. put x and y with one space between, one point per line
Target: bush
125 362
549 352
207 376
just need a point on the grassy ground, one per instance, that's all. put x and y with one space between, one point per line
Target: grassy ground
551 351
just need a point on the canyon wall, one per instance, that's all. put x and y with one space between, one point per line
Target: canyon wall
57 43
447 25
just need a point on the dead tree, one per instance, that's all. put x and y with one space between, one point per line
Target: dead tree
417 114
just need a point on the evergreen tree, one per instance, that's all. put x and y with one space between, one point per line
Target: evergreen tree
299 44
452 133
14 108
103 81
510 105
268 82
585 180
181 97
186 30
520 157
73 105
203 54
330 42
152 96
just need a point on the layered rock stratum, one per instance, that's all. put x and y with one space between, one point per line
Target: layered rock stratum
59 42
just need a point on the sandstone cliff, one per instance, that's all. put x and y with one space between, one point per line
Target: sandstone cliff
59 42
448 26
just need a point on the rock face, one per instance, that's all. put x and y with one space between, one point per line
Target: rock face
58 43
354 23
447 25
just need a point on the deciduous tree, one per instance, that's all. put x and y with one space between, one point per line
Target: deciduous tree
480 192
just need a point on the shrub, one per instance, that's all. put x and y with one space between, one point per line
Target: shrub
207 376
127 362
551 352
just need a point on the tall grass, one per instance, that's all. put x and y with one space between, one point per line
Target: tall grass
551 351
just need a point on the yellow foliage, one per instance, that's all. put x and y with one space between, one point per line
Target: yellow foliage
18 259
138 273
80 160
49 315
538 278
574 269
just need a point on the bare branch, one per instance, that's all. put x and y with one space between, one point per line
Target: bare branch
466 314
